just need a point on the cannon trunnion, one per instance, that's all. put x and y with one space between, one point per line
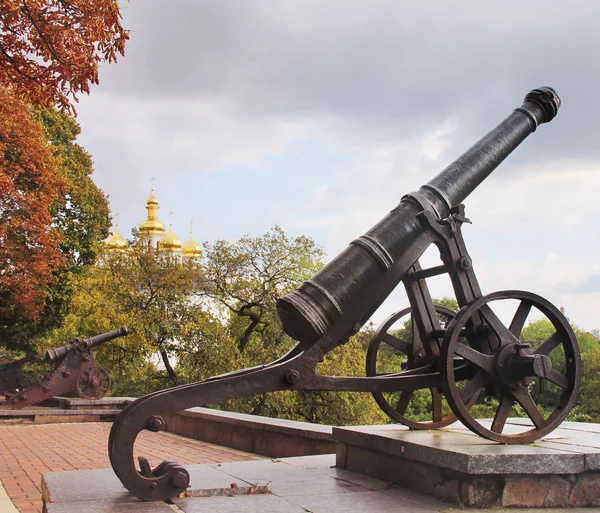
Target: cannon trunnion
457 359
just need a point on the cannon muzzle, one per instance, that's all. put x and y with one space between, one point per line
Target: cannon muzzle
53 355
334 292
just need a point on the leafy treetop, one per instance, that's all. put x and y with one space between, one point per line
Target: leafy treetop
50 49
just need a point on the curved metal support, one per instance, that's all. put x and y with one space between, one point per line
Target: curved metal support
136 417
170 479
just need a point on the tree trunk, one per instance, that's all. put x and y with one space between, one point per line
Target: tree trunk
167 363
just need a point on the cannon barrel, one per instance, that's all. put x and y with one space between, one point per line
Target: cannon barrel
318 303
52 355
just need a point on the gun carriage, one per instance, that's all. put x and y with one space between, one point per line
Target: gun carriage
460 357
74 370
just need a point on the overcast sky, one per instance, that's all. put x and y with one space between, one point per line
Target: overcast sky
318 116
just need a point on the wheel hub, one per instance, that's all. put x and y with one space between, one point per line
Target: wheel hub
517 364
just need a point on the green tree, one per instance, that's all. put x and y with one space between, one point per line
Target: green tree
81 213
205 349
243 280
589 393
149 291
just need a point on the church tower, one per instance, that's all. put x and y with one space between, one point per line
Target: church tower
152 227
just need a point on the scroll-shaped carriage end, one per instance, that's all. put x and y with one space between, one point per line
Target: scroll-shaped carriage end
335 303
318 303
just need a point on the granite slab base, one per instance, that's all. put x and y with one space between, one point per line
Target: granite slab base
289 485
560 470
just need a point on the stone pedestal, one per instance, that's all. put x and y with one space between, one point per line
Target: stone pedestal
453 464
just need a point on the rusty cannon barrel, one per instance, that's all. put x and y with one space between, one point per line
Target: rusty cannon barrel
319 302
53 355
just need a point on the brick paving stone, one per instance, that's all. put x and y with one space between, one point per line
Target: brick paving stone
27 451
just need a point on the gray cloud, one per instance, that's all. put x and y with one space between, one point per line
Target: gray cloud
368 72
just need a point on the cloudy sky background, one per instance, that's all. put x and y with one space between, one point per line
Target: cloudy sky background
319 116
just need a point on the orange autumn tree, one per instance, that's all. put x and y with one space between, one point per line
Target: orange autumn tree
50 49
29 183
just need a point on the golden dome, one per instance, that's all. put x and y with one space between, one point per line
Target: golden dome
191 248
170 242
152 225
116 243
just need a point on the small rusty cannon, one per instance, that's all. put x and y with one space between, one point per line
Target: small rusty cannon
75 369
460 358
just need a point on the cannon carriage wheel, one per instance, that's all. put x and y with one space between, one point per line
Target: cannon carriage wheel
509 370
93 383
415 356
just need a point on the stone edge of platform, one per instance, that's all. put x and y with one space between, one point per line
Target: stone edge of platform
527 476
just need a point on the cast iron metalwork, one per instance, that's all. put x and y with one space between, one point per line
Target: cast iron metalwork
503 367
75 370
12 378
466 357
410 347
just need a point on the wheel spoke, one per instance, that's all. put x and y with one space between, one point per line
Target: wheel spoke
397 343
549 344
436 405
470 392
518 321
558 379
483 361
501 331
524 399
403 401
502 414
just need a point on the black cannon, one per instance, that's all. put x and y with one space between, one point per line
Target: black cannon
75 369
460 358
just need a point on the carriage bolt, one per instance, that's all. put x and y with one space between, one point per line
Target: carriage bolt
292 376
155 424
180 480
466 263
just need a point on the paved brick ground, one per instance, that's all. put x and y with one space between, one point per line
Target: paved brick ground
27 451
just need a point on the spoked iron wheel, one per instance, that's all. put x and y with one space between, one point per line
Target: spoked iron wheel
93 383
538 383
394 341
